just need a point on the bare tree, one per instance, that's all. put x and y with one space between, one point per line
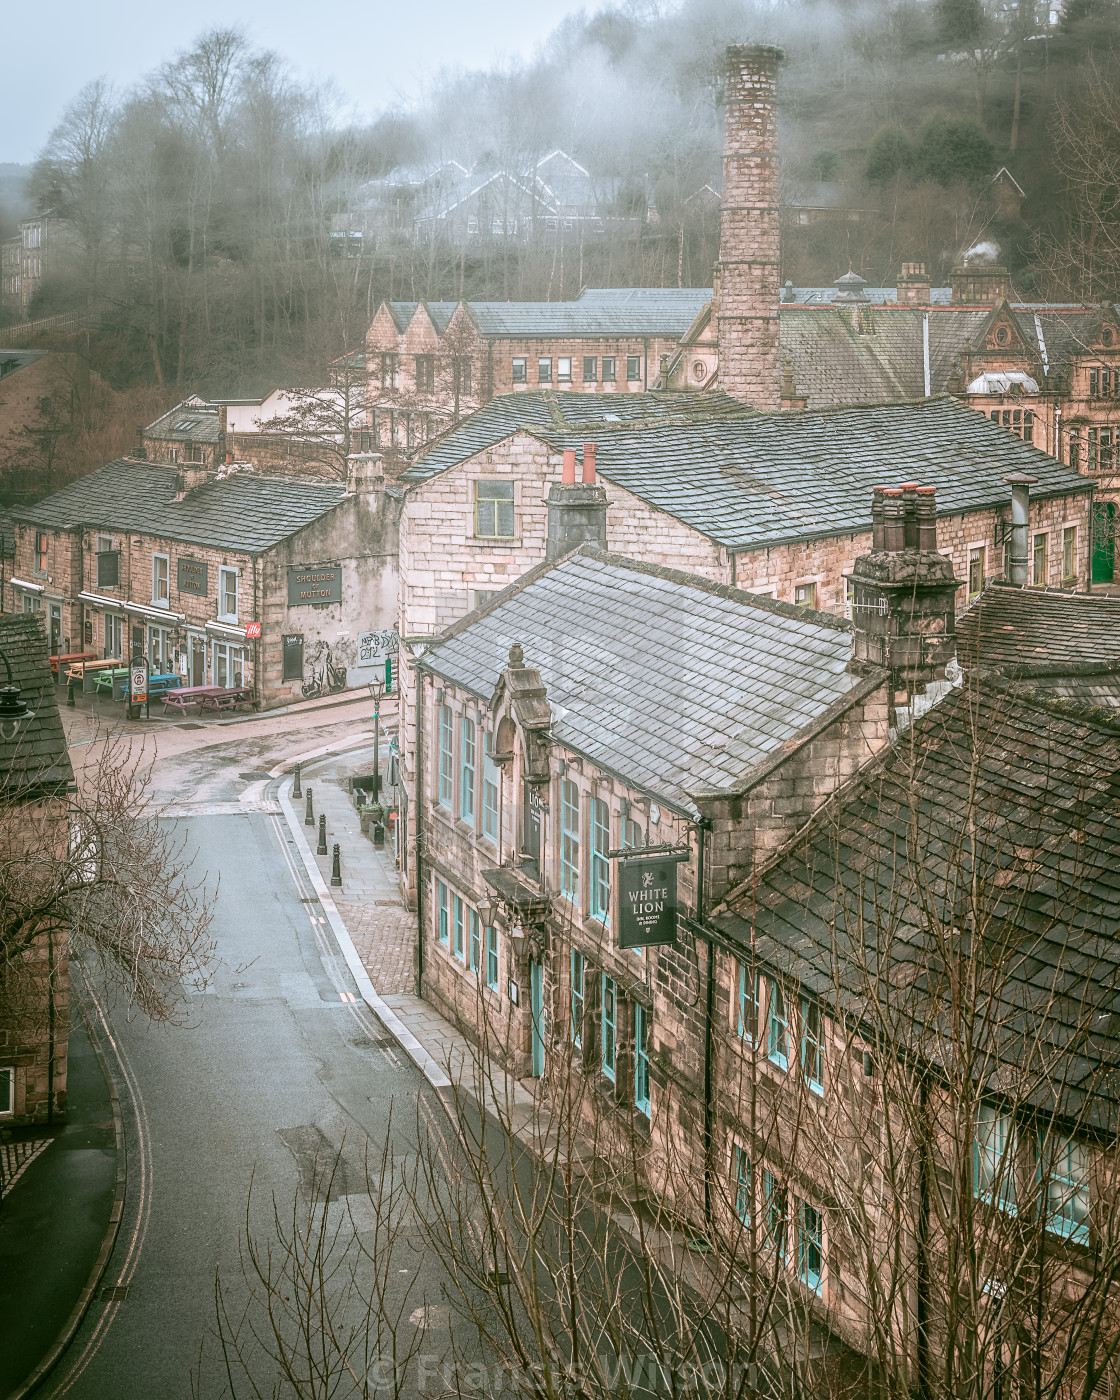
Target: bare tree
103 870
325 419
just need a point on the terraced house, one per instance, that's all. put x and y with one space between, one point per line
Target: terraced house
776 504
224 579
853 919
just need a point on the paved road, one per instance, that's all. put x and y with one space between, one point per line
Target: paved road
280 1060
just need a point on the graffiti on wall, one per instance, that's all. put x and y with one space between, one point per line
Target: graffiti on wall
372 646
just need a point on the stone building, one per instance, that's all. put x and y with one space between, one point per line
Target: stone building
601 706
35 776
41 244
226 578
433 363
775 504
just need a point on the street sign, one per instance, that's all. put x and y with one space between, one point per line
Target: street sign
647 901
138 682
252 629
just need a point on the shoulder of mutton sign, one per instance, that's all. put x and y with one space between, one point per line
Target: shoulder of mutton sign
192 576
309 584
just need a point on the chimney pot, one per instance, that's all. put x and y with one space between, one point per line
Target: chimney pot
569 474
894 520
926 512
878 537
909 514
589 451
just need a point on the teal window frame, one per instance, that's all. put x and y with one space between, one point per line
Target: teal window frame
458 926
812 1045
492 957
1064 1177
608 1026
569 840
641 1060
993 1157
777 1024
742 1179
775 1199
489 791
466 768
446 755
748 1004
441 906
599 830
810 1246
473 939
578 972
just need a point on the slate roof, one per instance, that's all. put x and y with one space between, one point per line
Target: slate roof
677 685
536 409
36 758
1026 632
11 361
7 537
747 480
834 364
647 311
186 422
1043 843
441 312
241 511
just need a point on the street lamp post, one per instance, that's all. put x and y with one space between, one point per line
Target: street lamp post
13 708
377 690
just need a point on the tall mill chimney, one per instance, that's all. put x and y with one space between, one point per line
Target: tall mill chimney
747 279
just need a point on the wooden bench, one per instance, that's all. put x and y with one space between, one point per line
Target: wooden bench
77 670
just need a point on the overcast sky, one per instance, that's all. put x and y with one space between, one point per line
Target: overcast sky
370 48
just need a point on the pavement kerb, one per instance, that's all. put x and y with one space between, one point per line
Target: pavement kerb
97 1273
423 1059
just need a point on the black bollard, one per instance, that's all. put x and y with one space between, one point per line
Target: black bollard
336 869
309 815
70 692
296 791
322 847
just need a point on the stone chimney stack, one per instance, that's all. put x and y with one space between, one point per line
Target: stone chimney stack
577 512
748 285
364 472
980 283
913 285
189 477
903 612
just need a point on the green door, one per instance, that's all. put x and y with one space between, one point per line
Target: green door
1104 541
536 1010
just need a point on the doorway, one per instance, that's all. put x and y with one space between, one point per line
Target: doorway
536 1012
198 661
1104 541
56 629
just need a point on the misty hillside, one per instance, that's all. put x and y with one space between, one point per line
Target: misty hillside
231 230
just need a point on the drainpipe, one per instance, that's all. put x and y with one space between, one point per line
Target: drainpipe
645 364
925 352
709 1004
418 789
1020 485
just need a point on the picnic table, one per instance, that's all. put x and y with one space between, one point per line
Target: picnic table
110 680
68 658
77 670
116 683
185 695
226 698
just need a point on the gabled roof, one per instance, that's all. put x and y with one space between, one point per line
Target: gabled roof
678 685
1029 632
12 361
192 421
1019 792
538 410
748 480
36 759
241 511
441 313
